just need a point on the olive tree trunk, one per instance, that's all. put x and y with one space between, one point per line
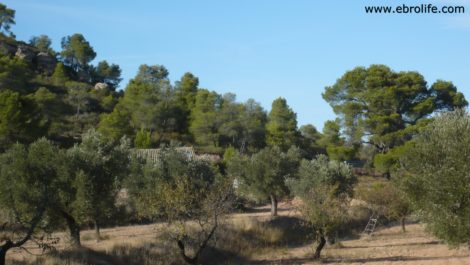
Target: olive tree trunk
9 244
3 251
322 242
403 222
74 229
273 205
194 260
97 231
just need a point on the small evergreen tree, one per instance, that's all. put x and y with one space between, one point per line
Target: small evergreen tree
281 129
59 77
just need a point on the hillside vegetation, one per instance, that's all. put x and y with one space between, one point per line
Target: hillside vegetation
167 172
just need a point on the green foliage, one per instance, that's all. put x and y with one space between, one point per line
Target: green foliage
27 177
48 108
19 120
446 96
325 188
320 171
334 144
229 125
7 18
151 73
310 141
385 198
14 74
389 162
264 173
434 176
59 77
148 103
150 186
44 96
189 195
78 95
184 113
142 139
229 153
61 106
11 116
204 118
116 124
76 52
43 44
28 181
241 125
379 104
108 74
253 121
281 129
97 169
186 89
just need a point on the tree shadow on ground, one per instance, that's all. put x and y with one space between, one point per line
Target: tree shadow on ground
296 232
86 256
398 259
435 242
263 210
392 259
217 256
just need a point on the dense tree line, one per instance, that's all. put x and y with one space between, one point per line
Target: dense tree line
77 95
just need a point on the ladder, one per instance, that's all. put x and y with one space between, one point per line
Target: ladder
370 227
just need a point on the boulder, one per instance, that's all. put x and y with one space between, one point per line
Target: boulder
25 52
101 86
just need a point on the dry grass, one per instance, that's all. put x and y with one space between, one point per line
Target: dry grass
238 239
253 238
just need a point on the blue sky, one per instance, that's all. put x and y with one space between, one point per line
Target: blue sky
260 49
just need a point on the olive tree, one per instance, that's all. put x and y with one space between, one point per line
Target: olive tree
97 169
188 194
28 177
435 176
264 174
325 188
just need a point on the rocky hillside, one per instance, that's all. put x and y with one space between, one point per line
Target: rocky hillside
42 61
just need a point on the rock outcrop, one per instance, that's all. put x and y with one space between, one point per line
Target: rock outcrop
25 52
44 62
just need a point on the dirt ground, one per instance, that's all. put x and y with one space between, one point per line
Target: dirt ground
388 245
